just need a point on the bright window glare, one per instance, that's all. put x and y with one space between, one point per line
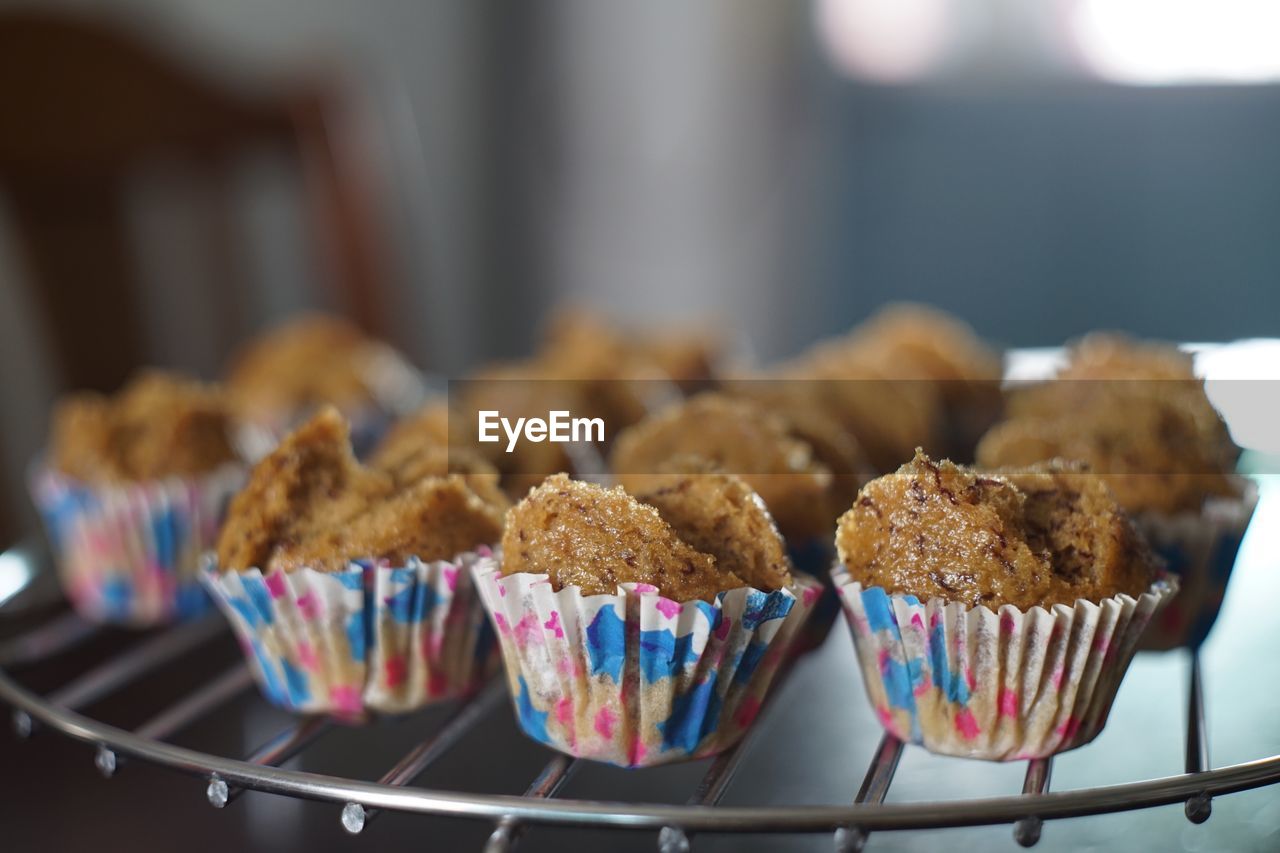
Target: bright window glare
889 40
15 574
1153 42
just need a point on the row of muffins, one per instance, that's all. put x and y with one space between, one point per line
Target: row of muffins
340 578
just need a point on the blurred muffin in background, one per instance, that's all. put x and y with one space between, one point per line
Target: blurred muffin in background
916 342
282 376
691 357
1136 414
132 490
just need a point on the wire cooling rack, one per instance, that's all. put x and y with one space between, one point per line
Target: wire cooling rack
359 802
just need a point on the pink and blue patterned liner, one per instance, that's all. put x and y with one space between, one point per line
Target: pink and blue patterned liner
129 553
1007 685
372 638
636 679
1201 549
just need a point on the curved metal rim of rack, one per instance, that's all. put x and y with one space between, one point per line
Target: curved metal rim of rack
868 817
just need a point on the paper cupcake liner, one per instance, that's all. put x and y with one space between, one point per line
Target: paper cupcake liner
1003 686
1200 548
130 553
370 638
814 558
635 679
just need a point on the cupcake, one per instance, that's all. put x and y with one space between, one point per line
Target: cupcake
641 631
132 490
1137 416
994 614
922 344
713 432
281 377
348 585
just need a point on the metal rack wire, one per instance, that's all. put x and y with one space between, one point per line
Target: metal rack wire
360 802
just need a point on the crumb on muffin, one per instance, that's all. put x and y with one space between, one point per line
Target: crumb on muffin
1038 537
580 534
310 503
159 425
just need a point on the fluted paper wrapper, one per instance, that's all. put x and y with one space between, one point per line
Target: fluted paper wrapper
130 553
372 638
1201 549
636 679
1007 685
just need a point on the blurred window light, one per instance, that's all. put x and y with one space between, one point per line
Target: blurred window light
1158 42
893 41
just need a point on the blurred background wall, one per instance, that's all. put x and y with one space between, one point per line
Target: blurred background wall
777 168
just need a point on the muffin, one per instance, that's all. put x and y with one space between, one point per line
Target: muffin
919 343
132 489
347 584
1138 416
689 357
281 377
994 613
641 633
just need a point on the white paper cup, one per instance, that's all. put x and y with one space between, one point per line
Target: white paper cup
1007 685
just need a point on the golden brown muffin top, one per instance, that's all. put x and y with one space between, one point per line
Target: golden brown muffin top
310 361
740 438
1114 355
911 341
584 535
1135 413
311 503
1032 538
686 356
159 425
720 515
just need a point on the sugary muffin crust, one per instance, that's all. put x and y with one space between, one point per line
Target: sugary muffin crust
584 535
310 503
159 425
1045 536
737 437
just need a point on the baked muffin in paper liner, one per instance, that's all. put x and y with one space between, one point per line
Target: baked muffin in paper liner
1201 549
636 679
372 638
1006 685
130 553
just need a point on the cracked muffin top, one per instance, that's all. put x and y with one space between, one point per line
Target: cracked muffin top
316 360
1135 414
584 535
719 514
159 425
1035 537
310 503
740 438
